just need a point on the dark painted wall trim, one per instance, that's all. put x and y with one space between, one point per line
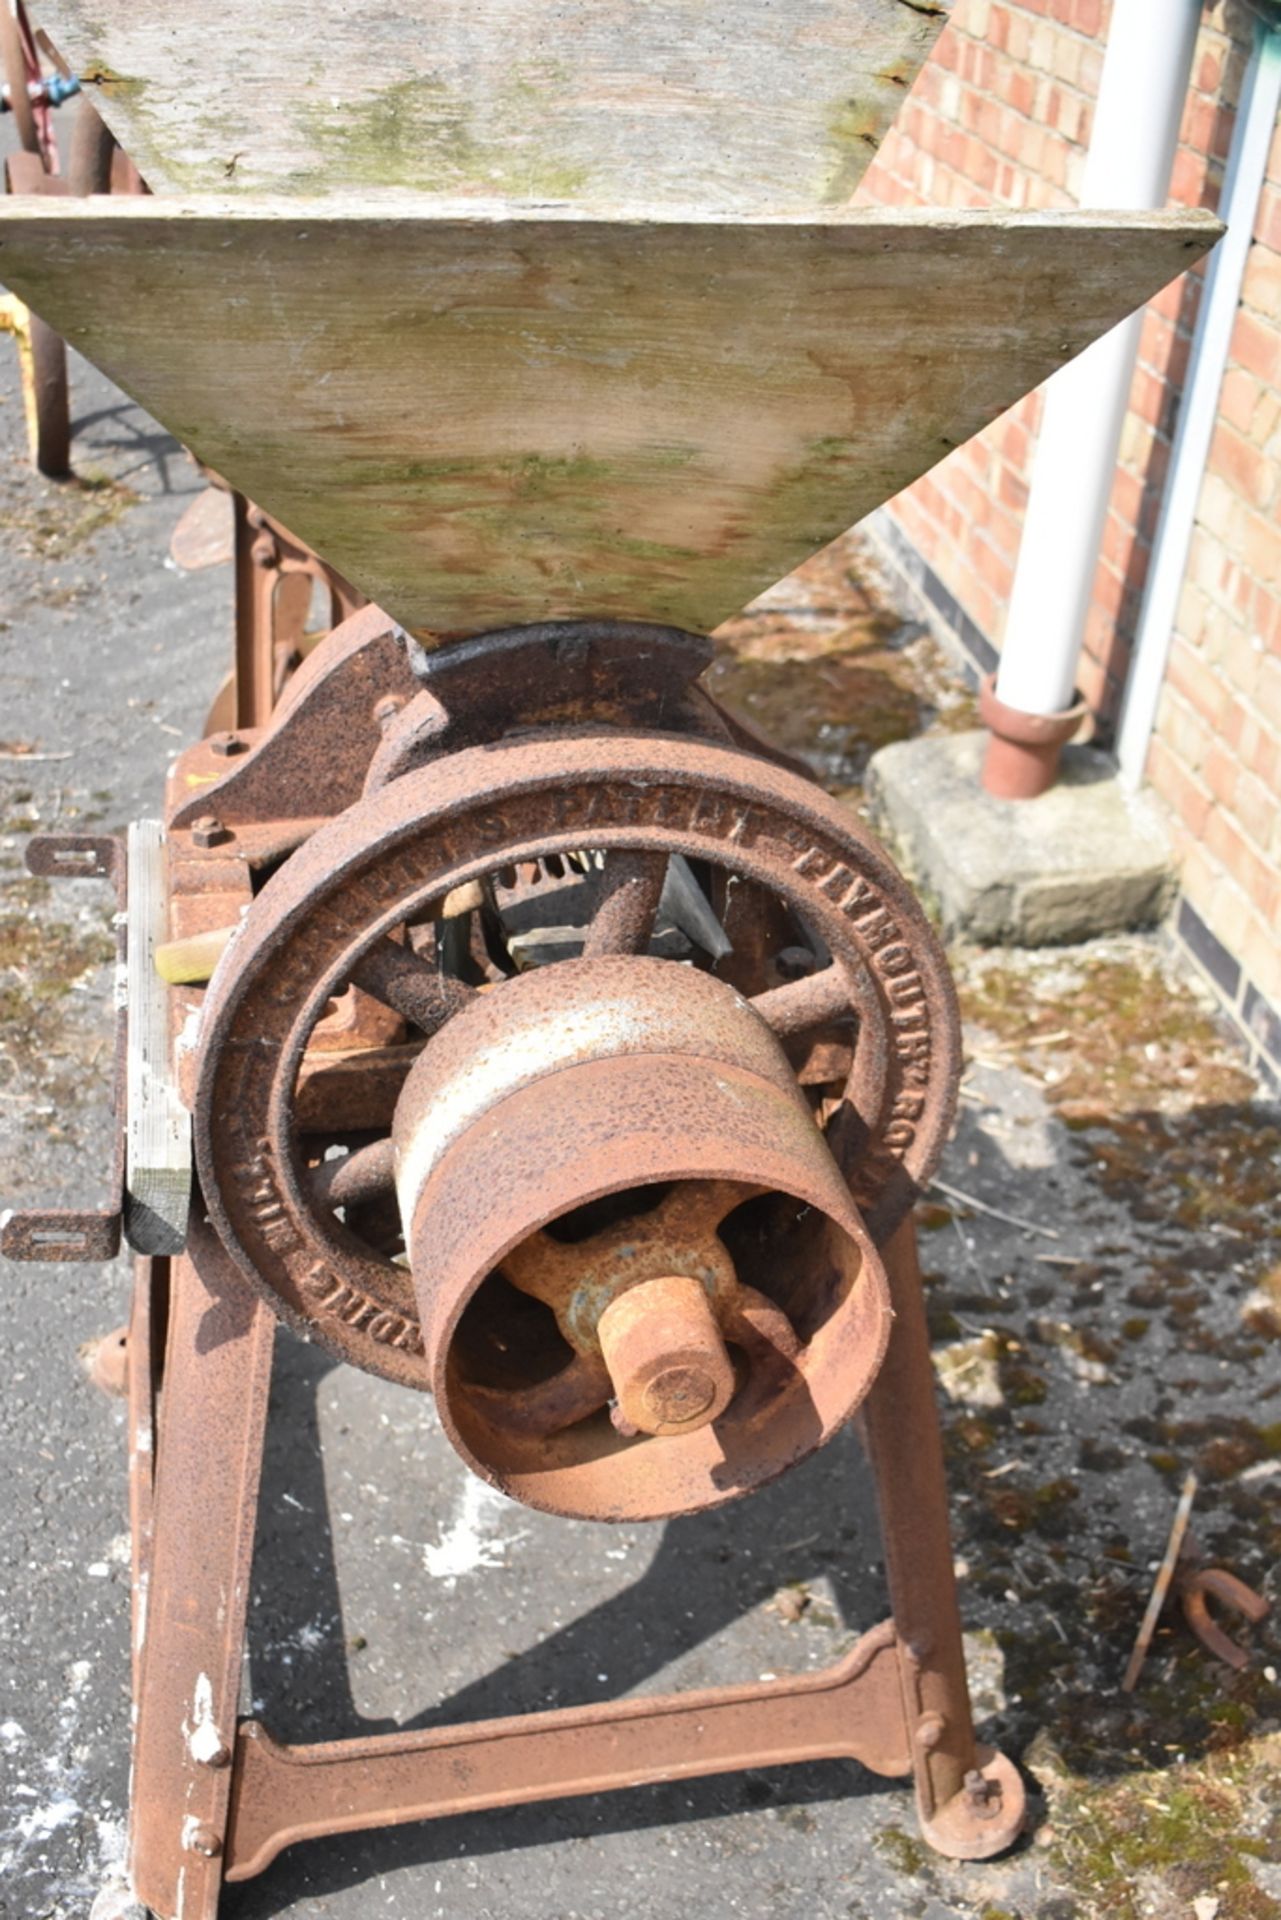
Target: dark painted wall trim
1257 1021
942 612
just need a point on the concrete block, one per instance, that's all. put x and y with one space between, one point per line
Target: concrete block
1087 858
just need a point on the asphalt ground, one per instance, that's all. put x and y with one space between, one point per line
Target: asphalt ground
1115 1329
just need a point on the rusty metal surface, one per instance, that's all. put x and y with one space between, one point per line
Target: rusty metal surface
312 762
82 1233
392 858
967 1818
1195 1586
560 673
107 1363
275 579
599 1182
20 66
92 151
216 1800
190 1622
283 1794
144 1346
1182 1576
627 905
392 972
660 1089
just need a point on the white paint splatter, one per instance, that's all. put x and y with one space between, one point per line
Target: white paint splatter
189 1036
140 1610
62 1780
42 1821
113 1843
466 1544
204 1741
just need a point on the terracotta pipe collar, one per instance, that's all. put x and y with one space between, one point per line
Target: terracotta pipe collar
1023 753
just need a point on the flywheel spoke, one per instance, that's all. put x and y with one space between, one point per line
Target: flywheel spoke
405 981
544 1268
805 1002
632 886
763 1329
694 1209
575 1393
367 1174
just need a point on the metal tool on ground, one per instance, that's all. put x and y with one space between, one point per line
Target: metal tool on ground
1183 1576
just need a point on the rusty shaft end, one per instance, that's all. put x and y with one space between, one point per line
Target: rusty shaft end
666 1359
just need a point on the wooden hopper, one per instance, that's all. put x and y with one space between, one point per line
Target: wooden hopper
762 104
584 324
484 412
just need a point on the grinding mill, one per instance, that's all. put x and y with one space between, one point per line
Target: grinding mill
501 1015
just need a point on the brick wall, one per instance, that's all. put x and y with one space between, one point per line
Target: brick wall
1001 115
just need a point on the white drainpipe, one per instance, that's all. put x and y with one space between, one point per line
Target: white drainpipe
1136 124
1242 184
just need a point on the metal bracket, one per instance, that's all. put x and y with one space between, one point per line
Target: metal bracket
82 1233
311 761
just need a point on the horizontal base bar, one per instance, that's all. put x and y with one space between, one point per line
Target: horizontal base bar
853 1710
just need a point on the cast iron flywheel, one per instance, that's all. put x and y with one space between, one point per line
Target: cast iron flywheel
607 1178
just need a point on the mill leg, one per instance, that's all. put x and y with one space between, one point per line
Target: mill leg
148 1318
193 1592
970 1798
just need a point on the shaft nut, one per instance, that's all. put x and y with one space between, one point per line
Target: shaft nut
208 831
665 1356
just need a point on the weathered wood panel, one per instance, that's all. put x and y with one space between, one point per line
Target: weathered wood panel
481 416
760 104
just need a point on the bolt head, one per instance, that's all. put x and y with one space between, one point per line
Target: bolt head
208 831
204 1840
984 1795
227 744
